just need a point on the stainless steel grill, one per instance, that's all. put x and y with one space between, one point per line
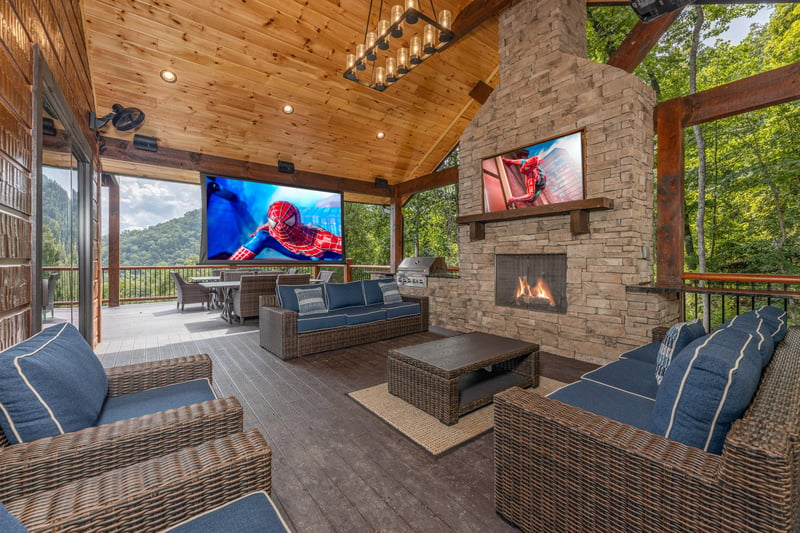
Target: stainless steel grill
414 271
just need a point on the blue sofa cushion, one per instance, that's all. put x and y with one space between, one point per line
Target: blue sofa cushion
647 353
602 400
328 320
372 291
9 523
751 323
362 314
676 339
776 318
153 401
629 375
707 387
401 309
253 513
310 301
344 294
51 383
391 294
287 298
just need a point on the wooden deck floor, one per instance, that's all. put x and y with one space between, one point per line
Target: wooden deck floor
336 467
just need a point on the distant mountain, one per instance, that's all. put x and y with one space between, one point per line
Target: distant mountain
174 242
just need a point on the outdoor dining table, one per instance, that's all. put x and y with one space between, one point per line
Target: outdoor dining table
227 288
205 278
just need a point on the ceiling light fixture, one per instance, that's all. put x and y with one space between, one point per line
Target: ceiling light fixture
380 135
168 76
393 48
288 109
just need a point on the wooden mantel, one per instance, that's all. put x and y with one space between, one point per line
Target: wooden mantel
577 209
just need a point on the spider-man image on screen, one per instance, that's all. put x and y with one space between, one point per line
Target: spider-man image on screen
247 220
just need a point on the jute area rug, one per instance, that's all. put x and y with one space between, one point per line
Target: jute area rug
425 430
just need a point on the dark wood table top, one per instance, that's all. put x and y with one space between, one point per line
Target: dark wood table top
453 356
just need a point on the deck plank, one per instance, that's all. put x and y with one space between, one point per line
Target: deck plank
336 467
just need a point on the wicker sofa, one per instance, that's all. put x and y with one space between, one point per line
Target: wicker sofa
564 468
353 313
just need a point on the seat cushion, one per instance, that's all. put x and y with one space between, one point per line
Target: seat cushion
253 513
51 383
602 400
320 321
647 353
707 387
362 314
9 523
344 294
397 310
676 338
155 400
629 375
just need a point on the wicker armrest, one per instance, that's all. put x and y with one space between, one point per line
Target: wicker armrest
155 494
53 461
424 305
142 376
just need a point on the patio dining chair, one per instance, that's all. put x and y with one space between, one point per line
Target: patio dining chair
49 294
189 293
218 486
63 416
324 276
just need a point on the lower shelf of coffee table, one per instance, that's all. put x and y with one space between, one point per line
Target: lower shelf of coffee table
481 384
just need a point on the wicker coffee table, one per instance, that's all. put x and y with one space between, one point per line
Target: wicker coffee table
453 376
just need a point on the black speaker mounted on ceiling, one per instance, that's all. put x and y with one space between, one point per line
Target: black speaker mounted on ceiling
648 10
285 167
143 142
381 183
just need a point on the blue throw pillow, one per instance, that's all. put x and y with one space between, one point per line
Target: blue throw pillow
310 301
675 340
344 294
776 319
760 328
707 387
391 294
372 291
51 383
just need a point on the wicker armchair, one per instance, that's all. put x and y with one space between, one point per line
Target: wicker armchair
189 293
236 275
246 298
294 279
560 468
155 494
54 461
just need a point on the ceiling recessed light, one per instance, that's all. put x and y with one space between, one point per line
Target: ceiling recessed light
288 109
168 76
380 135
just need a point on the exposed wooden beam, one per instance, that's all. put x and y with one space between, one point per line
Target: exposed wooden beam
428 181
480 93
762 90
475 14
641 39
112 183
670 194
123 150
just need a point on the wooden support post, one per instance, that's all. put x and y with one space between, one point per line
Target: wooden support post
579 222
477 231
111 182
395 231
348 270
670 203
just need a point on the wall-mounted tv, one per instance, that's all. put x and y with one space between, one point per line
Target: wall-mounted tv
548 172
245 220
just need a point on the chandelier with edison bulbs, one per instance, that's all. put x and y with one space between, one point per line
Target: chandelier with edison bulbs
397 44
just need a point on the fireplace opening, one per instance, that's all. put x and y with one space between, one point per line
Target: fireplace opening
532 281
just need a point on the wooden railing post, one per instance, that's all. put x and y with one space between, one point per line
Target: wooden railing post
348 270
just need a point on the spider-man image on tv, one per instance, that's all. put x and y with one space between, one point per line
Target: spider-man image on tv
247 220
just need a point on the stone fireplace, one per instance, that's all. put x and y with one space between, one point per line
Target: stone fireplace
536 282
547 88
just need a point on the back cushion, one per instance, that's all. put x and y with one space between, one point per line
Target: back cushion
51 383
372 291
675 340
344 294
759 327
708 386
776 319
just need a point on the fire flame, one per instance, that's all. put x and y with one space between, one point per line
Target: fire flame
540 291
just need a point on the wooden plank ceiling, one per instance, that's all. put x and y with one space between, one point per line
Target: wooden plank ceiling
238 63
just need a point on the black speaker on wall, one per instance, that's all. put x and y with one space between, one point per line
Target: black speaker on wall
285 167
381 183
652 9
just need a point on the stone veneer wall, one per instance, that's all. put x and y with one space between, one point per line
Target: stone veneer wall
548 88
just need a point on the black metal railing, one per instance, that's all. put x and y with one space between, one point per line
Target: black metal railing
728 295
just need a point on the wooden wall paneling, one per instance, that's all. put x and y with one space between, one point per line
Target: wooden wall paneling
15 286
15 138
15 239
671 194
15 185
14 327
15 38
